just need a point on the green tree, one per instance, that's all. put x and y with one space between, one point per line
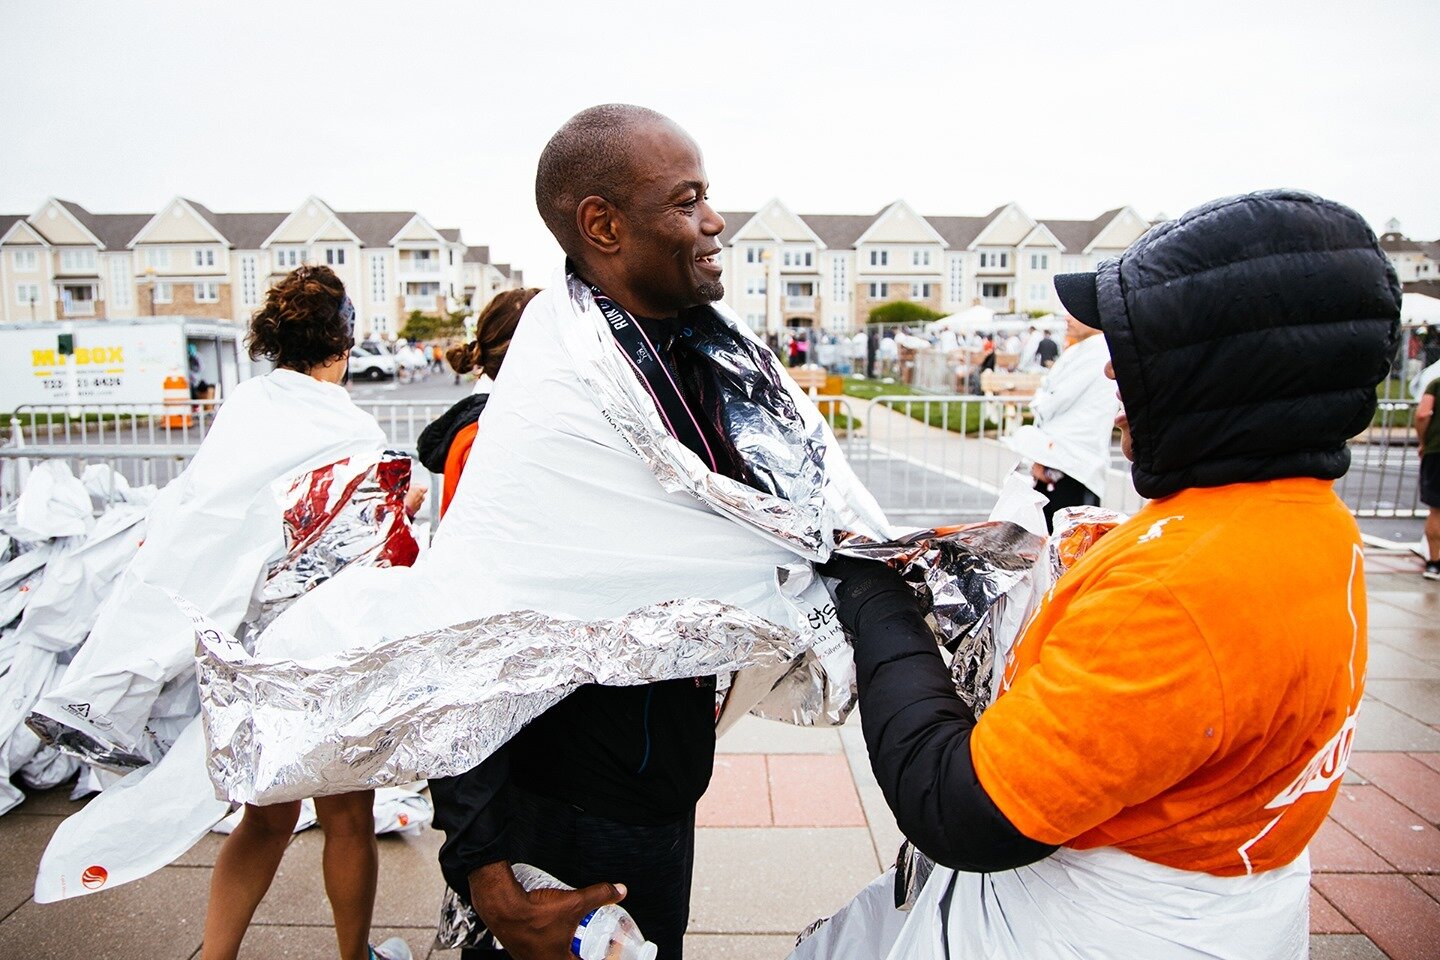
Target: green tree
903 313
425 326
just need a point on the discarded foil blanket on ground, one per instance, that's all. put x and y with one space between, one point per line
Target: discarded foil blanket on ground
277 733
351 511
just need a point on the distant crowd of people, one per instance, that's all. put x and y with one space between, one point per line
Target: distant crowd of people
893 353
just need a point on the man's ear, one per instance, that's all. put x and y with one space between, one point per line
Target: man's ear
599 223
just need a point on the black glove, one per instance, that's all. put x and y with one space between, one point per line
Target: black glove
860 583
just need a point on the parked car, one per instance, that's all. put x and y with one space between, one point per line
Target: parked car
365 365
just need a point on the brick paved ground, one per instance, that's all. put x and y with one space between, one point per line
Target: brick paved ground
794 825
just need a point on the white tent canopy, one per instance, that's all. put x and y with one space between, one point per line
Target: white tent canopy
970 320
978 319
1416 310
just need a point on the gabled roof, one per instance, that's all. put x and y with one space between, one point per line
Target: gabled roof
518 276
451 233
375 227
898 207
205 213
504 269
246 231
116 230
839 230
1399 243
1038 235
20 226
113 230
477 255
733 223
960 232
1076 235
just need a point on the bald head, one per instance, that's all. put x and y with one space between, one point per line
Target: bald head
590 156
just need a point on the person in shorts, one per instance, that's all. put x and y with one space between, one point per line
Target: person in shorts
1427 426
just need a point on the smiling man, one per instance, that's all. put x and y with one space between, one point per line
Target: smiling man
601 789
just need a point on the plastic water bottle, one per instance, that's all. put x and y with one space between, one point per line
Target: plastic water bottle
607 933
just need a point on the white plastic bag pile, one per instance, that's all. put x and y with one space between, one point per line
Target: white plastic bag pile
58 561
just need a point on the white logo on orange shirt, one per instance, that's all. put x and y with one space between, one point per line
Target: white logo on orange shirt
1327 766
1156 529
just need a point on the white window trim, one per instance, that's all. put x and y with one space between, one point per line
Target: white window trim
25 261
120 286
86 257
202 291
203 256
249 280
23 288
163 292
379 280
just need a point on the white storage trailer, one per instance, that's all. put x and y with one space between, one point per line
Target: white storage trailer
116 361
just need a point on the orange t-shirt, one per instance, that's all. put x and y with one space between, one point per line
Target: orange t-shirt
455 460
1187 692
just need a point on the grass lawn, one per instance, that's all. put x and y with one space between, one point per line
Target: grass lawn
950 414
1395 417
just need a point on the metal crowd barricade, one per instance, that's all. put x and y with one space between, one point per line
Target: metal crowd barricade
936 459
153 443
927 459
1384 475
121 424
139 465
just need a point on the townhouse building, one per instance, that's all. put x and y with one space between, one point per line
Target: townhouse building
1413 260
784 269
64 262
484 279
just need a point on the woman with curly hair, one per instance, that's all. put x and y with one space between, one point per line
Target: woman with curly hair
306 327
215 536
445 444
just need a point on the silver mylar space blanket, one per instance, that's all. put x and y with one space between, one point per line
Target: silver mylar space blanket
585 544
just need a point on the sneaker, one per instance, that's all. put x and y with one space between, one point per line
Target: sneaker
392 949
1432 570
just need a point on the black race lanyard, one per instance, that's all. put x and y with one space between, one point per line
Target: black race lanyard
644 359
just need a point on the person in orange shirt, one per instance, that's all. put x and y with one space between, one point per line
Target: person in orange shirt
445 444
1175 720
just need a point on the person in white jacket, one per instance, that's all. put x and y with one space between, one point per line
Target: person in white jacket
1075 408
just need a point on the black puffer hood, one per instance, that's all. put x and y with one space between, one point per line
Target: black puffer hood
1248 337
433 444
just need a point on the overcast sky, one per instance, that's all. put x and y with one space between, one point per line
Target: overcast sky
1068 108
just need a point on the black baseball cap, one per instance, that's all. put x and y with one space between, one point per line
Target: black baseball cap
1077 294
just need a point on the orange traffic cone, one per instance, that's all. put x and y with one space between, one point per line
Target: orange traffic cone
177 402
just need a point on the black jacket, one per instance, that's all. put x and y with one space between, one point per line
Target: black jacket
433 444
1247 339
635 755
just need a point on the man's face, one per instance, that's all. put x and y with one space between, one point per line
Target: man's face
1127 443
670 250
